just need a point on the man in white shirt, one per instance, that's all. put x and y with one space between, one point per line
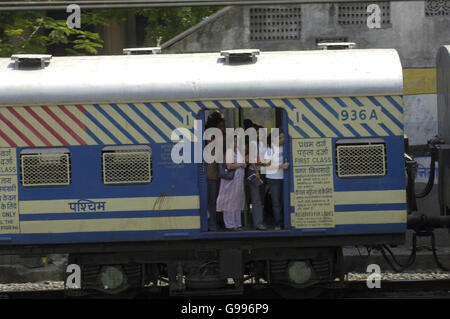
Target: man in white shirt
274 175
256 191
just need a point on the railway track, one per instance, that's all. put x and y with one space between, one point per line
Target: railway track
428 289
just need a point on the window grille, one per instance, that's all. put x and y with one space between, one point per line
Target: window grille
356 13
361 160
437 8
45 169
127 166
275 24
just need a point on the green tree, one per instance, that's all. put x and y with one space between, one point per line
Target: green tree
34 31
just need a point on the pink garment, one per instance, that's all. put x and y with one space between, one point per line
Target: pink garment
231 192
232 219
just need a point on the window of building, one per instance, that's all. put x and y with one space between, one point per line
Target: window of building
275 23
355 13
437 8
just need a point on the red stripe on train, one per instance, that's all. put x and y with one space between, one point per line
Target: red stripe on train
73 117
28 125
64 125
16 130
7 139
44 124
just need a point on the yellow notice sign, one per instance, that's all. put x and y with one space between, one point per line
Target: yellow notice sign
9 206
313 183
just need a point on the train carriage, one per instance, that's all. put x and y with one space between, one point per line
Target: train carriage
86 168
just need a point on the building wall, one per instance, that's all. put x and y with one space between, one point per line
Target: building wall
415 35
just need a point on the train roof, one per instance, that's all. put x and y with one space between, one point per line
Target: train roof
202 76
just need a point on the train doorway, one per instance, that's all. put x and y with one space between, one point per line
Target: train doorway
259 212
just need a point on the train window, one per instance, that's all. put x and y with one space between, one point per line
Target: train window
45 167
127 164
355 158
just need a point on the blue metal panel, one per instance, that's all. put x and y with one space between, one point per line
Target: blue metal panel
394 179
87 179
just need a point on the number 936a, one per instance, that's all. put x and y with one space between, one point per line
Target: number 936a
358 115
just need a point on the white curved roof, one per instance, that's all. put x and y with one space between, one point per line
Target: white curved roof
202 76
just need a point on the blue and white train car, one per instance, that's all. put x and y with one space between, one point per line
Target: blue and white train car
86 169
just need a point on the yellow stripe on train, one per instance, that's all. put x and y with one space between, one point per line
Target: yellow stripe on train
365 217
110 204
366 197
370 217
370 197
113 224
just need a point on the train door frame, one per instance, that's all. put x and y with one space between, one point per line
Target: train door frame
287 154
280 115
202 179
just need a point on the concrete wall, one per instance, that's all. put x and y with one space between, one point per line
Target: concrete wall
416 36
420 117
226 32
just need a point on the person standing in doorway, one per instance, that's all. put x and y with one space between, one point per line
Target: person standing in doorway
216 120
275 174
231 192
255 181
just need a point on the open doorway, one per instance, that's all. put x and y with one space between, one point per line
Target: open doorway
258 200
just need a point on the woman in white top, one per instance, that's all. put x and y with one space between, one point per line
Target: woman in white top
274 176
231 192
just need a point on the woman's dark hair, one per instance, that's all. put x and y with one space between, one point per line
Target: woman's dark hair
269 137
269 140
214 119
247 123
257 126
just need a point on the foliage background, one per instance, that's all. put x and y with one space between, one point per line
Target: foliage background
35 31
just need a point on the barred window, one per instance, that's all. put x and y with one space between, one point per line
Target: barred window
356 14
361 160
127 165
437 8
275 23
45 167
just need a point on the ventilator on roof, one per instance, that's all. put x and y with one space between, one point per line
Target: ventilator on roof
136 51
30 60
240 56
336 45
